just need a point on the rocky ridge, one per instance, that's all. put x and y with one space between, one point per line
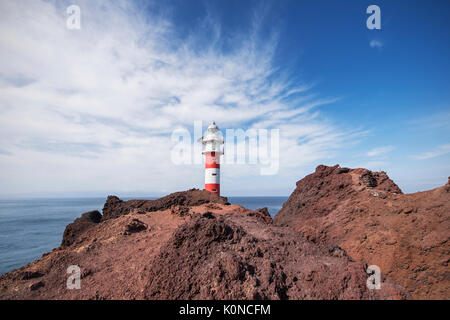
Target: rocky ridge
191 245
366 214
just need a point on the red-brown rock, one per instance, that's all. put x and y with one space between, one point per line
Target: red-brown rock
211 251
114 207
74 230
367 215
236 257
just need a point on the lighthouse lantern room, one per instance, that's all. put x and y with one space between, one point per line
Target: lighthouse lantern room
212 149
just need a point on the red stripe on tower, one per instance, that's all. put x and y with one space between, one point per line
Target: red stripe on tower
213 187
212 161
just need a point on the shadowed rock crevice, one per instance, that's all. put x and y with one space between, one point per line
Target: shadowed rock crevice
134 226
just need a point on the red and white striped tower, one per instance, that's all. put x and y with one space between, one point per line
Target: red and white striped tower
212 149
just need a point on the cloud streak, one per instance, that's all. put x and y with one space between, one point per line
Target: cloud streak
380 151
93 109
439 151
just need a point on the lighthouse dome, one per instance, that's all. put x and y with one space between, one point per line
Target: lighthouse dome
213 134
213 126
212 140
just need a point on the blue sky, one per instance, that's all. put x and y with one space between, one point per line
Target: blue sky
91 111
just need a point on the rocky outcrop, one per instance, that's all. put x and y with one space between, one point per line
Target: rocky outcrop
265 212
74 230
320 193
192 247
231 257
134 226
114 207
367 215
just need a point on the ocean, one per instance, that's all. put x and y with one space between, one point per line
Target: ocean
31 227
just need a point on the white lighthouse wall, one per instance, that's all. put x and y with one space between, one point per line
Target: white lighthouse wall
213 147
212 175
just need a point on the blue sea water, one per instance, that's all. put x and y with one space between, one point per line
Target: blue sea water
31 227
273 204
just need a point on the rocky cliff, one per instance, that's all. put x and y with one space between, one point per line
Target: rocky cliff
191 245
367 215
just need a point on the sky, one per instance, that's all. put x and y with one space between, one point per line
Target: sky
92 111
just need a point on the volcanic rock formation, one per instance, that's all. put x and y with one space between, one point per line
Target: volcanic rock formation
191 245
77 228
115 207
366 214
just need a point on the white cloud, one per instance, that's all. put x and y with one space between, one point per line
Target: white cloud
376 44
380 151
93 109
439 151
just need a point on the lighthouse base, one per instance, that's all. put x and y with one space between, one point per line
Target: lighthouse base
212 187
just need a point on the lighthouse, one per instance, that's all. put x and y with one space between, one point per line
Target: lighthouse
212 149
